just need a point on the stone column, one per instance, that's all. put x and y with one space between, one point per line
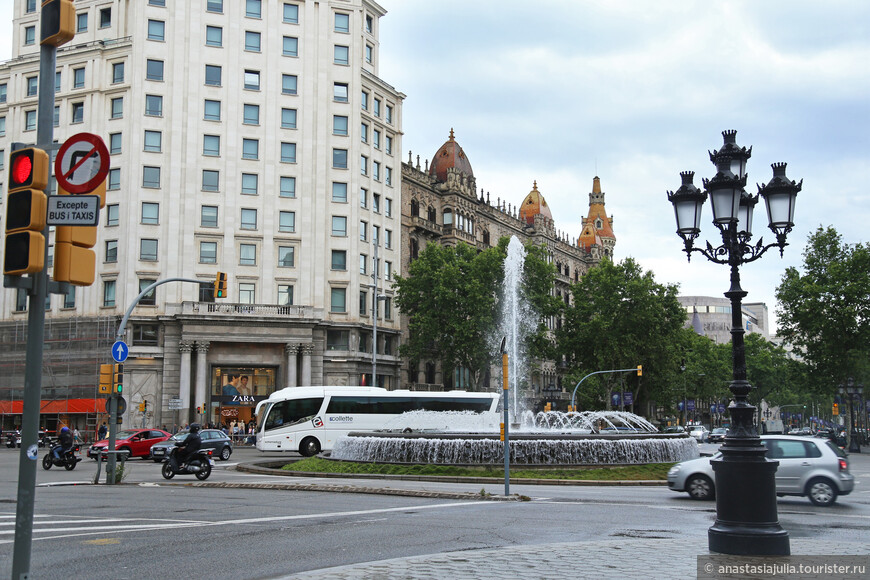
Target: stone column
290 350
184 383
307 350
201 378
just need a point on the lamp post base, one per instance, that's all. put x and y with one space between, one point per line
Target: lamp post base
747 522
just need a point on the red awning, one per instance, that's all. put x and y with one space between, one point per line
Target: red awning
57 407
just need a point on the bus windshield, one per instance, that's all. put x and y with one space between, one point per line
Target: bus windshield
284 413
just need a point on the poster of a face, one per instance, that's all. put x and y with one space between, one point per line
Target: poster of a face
241 385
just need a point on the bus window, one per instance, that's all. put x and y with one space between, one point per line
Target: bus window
290 412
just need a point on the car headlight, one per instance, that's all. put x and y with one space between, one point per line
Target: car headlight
674 470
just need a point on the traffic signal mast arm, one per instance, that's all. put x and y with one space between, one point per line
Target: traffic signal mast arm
638 369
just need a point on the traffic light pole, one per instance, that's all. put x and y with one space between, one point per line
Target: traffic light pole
35 341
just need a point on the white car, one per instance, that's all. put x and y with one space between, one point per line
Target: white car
810 467
699 432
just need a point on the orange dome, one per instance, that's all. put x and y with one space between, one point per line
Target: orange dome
449 155
533 205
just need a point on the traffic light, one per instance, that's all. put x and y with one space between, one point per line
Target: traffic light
141 407
57 22
220 285
74 261
835 411
198 410
25 212
118 379
640 370
106 376
144 406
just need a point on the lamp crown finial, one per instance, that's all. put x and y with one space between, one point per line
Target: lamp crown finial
730 136
688 177
779 169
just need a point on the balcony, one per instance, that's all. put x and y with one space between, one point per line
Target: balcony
425 226
229 309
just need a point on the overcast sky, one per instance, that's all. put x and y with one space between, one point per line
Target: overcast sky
559 91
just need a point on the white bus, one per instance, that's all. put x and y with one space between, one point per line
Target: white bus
310 419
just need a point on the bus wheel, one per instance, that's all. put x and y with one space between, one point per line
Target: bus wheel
309 447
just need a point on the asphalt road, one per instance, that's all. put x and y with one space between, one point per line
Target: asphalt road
148 529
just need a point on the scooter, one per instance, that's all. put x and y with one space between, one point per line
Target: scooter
68 459
13 440
199 465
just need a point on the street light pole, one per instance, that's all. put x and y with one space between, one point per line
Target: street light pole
746 523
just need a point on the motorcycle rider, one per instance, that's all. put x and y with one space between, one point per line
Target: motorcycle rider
187 448
65 441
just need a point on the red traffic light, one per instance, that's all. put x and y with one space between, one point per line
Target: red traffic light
22 167
28 169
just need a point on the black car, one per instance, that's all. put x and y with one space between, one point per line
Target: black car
717 435
214 439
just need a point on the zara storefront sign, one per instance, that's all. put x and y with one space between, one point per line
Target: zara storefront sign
73 210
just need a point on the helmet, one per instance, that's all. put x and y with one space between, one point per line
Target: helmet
194 427
65 430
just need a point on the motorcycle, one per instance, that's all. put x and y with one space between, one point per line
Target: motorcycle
68 459
13 440
199 464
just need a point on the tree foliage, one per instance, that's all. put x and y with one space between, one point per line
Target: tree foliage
825 312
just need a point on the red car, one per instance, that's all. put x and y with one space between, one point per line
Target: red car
135 442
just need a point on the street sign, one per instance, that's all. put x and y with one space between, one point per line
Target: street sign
174 403
66 210
614 399
628 398
82 163
120 351
690 405
721 409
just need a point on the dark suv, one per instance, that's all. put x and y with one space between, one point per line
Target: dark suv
214 439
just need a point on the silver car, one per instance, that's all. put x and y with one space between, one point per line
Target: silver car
807 466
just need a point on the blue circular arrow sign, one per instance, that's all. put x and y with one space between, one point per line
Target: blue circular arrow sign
120 350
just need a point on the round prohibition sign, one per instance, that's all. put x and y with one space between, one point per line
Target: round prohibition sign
82 163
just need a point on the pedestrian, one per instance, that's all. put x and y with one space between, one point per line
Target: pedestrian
101 433
76 437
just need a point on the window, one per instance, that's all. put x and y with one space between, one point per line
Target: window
363 306
377 108
376 235
364 133
208 252
30 120
3 134
214 36
341 54
376 139
389 145
78 113
109 293
81 22
287 221
339 158
291 46
146 335
156 30
215 6
29 35
118 72
114 143
252 80
286 257
56 119
388 175
154 141
114 179
247 255
211 145
249 219
112 215
250 149
252 41
339 260
210 180
212 75
337 340
78 78
148 250
287 187
149 299
285 293
389 114
339 192
289 84
342 22
150 176
31 6
291 13
69 299
363 197
150 213
212 110
364 164
250 183
339 125
153 105
57 83
32 86
369 53
251 115
369 24
388 207
376 202
157 2
338 300
21 300
388 270
247 290
117 108
388 239
363 231
288 118
364 101
363 263
111 251
105 17
376 170
154 70
253 8
339 92
339 226
208 216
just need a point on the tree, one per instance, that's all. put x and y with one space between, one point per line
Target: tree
825 312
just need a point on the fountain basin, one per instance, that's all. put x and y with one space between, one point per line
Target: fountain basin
550 448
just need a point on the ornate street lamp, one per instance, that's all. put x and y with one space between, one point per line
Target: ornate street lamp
746 516
853 392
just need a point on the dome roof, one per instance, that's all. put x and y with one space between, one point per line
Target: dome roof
533 205
449 155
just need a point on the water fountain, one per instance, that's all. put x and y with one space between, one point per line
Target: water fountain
547 438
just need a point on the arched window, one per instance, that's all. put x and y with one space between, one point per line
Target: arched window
415 208
431 215
447 217
415 249
486 237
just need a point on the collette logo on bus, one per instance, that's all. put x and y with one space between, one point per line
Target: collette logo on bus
341 419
